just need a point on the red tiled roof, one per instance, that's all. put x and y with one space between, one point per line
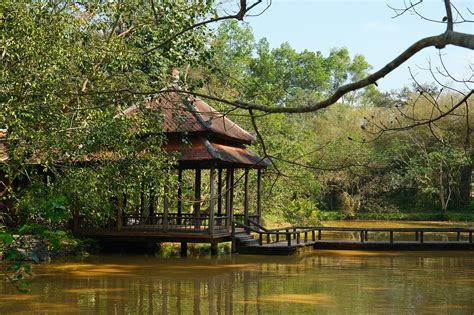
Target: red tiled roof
201 150
188 114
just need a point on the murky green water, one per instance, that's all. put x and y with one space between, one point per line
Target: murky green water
316 282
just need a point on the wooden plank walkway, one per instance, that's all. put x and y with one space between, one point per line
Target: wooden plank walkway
287 241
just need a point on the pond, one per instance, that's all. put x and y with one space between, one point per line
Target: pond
323 282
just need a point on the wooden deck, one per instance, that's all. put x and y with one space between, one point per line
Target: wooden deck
287 241
150 234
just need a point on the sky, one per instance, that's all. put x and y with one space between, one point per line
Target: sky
367 28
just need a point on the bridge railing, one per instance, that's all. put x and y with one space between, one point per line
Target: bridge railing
295 235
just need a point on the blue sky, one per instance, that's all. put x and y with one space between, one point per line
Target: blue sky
367 28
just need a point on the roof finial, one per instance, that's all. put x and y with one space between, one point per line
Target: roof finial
175 76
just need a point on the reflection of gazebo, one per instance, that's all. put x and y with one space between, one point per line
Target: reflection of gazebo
205 141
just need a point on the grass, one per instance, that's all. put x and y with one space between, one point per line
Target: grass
404 215
275 221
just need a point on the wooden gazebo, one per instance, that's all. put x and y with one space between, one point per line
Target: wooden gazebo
205 142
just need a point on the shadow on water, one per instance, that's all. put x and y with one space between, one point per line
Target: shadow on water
316 281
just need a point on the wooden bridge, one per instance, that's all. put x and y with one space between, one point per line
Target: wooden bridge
256 239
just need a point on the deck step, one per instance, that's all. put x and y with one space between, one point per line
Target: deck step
244 240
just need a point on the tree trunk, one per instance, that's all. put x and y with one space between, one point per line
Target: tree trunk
465 187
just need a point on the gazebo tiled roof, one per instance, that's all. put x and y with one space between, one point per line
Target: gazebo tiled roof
212 138
184 114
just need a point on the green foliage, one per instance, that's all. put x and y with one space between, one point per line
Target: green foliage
281 76
69 70
302 212
350 205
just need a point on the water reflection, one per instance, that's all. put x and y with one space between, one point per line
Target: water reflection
318 281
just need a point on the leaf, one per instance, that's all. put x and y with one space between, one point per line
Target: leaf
33 256
55 243
12 254
6 238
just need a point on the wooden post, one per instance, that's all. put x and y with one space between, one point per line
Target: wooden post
151 215
246 197
313 235
362 236
421 237
470 236
458 237
142 199
197 199
180 195
119 213
417 236
288 237
232 248
219 192
259 196
213 249
184 249
212 200
391 237
165 205
232 173
319 235
228 191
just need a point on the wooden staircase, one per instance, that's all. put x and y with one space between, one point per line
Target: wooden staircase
243 241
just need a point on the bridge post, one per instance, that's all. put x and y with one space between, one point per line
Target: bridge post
313 234
362 236
288 237
470 237
319 235
421 237
391 237
458 237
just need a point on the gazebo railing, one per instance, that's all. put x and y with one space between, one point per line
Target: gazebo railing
184 222
241 218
